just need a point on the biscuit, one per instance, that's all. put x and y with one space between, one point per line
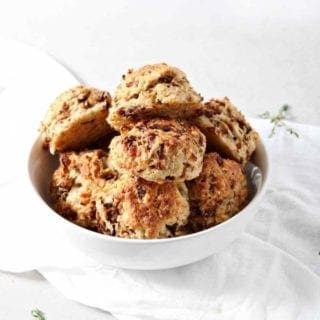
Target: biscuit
76 183
159 150
218 193
139 209
76 119
157 90
227 130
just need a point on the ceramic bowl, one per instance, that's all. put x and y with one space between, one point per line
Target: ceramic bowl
145 254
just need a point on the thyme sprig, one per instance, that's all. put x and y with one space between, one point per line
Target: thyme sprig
38 314
278 120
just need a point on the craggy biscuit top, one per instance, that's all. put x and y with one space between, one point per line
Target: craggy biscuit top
76 183
159 150
140 209
76 118
218 193
227 130
157 90
75 100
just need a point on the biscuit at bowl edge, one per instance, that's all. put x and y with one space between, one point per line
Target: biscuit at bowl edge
76 182
76 119
218 193
227 130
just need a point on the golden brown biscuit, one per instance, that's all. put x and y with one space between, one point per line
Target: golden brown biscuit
218 193
159 150
227 130
157 90
76 119
76 182
139 209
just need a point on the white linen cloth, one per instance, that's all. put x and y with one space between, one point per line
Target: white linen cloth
271 272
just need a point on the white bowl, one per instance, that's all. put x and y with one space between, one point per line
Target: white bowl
144 254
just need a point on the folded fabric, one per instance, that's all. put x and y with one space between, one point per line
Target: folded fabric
250 280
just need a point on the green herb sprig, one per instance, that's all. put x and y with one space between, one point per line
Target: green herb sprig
278 121
38 314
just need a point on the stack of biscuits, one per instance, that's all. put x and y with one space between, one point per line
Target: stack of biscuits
152 162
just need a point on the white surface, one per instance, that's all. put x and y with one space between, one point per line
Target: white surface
260 55
20 293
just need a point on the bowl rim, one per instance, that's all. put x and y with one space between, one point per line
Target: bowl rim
104 237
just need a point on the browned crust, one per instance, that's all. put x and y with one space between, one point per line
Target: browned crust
157 90
143 209
76 119
227 130
159 150
82 174
218 193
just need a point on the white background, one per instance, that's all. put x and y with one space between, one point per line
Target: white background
260 54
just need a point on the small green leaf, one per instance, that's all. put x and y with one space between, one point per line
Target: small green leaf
38 314
278 120
265 115
290 130
285 108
